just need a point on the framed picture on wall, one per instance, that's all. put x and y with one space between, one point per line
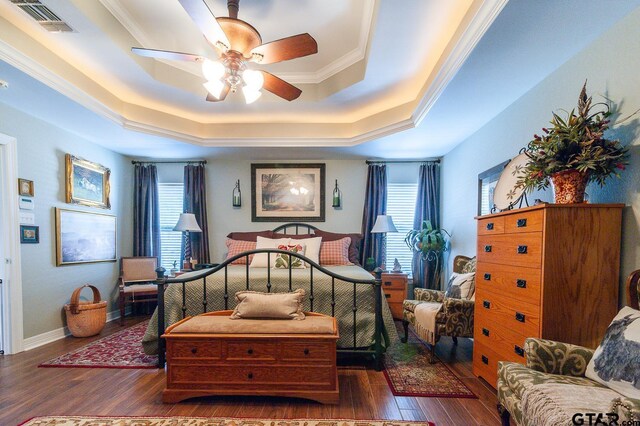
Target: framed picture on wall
87 183
84 237
287 192
487 181
25 187
29 234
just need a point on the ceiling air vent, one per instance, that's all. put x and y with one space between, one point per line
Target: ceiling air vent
43 15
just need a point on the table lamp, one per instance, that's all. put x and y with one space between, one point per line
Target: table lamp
383 225
187 223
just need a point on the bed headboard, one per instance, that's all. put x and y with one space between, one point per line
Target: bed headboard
296 227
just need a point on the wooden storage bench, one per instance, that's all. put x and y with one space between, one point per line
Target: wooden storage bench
210 354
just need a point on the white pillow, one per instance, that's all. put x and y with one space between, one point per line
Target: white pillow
312 247
615 361
260 260
461 286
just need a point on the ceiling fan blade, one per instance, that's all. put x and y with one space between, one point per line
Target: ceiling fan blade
166 54
279 87
285 49
223 95
206 21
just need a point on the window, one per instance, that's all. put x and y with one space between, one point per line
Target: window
170 196
401 205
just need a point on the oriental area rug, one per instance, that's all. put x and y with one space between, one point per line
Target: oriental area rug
409 372
122 349
202 421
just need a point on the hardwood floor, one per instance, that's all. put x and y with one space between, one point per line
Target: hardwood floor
27 391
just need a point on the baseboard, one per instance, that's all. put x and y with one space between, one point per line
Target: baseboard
57 334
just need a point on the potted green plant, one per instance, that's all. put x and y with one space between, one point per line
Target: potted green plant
573 152
431 243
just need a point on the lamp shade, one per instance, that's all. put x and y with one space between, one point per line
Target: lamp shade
187 222
383 224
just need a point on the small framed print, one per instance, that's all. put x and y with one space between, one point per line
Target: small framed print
87 183
25 187
29 234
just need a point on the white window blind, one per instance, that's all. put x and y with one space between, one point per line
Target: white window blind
401 204
170 197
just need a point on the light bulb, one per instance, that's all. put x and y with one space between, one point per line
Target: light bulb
251 95
212 70
214 87
253 79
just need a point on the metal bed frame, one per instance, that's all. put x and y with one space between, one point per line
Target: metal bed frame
376 350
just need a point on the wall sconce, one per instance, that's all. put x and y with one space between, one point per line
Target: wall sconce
237 195
337 196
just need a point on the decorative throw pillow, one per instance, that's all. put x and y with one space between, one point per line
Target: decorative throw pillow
461 286
615 362
335 252
284 260
312 247
254 304
235 247
250 236
354 247
261 260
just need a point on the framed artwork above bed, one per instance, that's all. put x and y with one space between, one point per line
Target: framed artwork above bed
288 192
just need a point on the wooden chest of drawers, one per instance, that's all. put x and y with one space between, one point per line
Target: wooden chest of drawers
394 286
292 365
547 271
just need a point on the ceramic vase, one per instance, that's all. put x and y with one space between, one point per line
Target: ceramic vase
569 186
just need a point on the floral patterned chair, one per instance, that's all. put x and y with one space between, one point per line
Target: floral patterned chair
554 366
454 319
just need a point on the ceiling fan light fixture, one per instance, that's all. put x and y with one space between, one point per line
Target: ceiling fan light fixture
253 79
251 95
212 70
214 87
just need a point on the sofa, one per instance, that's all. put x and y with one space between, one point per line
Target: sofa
552 388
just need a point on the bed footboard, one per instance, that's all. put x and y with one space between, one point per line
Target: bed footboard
376 350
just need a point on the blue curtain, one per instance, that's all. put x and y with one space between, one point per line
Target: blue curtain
427 208
375 203
146 212
195 201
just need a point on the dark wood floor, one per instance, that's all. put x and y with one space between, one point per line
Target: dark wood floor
27 391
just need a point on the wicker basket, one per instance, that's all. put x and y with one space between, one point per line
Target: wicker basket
86 319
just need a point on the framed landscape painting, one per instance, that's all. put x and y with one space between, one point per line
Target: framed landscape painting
287 192
84 237
87 183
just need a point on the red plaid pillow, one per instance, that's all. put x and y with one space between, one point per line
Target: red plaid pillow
236 247
335 252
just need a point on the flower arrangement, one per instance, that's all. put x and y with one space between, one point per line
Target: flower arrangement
575 143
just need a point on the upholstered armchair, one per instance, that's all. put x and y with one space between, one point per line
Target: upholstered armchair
135 283
454 318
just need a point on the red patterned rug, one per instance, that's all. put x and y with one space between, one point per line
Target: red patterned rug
119 350
409 372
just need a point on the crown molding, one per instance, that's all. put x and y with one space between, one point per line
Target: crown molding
116 8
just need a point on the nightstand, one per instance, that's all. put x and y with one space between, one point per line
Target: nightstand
394 286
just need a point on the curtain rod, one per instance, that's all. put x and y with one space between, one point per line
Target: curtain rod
432 160
169 162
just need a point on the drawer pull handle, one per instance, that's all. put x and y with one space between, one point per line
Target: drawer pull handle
194 350
487 277
487 249
388 283
250 351
518 350
250 376
485 332
485 360
521 223
520 317
486 304
387 295
521 283
490 226
522 249
306 351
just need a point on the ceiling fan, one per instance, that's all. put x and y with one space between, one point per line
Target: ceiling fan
237 44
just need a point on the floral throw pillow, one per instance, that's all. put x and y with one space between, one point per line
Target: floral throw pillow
284 260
